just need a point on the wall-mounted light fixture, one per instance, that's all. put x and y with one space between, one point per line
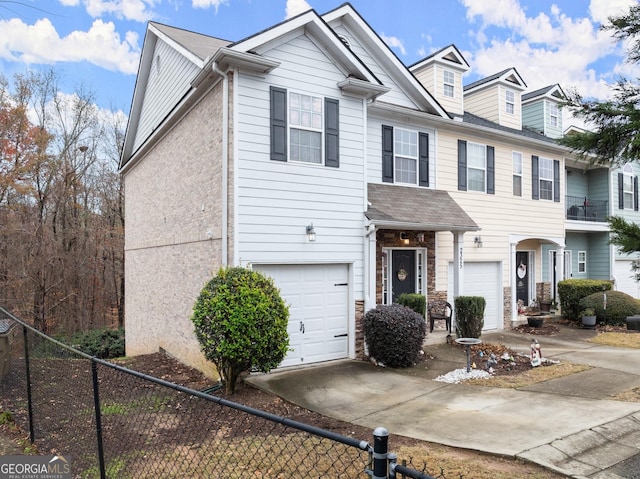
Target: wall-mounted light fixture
404 238
311 233
478 241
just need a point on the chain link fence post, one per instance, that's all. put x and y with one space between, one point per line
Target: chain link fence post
96 402
32 434
380 449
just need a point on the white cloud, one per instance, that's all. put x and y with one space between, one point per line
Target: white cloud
601 10
547 48
40 44
137 10
69 3
296 7
394 42
208 3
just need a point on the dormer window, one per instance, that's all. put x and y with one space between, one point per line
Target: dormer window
553 114
448 79
510 102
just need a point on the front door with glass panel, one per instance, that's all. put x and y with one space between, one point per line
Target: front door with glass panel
522 277
403 272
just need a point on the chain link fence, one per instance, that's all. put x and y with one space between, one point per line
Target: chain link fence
118 423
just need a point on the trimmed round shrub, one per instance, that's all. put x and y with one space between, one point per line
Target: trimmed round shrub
415 301
241 323
394 335
469 316
619 306
571 291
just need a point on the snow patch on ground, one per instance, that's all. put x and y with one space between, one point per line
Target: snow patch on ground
458 375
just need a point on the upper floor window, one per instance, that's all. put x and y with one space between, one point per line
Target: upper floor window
405 156
476 166
304 128
449 83
545 172
510 102
553 114
517 173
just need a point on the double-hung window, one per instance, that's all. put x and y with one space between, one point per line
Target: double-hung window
582 261
449 83
406 156
476 167
627 185
517 173
553 114
305 132
304 128
545 171
510 101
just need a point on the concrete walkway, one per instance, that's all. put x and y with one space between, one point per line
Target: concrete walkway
570 425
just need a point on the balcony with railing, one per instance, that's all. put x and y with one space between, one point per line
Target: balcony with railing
582 208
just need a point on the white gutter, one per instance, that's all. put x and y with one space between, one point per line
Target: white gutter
225 163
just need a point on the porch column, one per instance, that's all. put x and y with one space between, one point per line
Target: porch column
559 269
512 280
370 268
458 271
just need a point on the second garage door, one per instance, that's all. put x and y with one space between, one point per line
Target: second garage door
483 279
317 296
625 280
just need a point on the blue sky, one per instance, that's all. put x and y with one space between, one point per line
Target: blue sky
97 43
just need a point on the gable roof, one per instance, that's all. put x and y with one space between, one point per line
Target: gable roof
509 76
553 92
380 51
449 55
417 208
202 46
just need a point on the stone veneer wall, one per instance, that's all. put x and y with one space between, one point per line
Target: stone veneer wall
359 340
506 307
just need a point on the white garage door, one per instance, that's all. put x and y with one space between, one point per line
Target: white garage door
483 279
625 281
317 296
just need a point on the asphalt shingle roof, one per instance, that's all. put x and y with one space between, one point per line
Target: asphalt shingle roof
432 210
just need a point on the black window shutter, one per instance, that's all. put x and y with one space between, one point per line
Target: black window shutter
535 178
278 124
462 165
556 181
387 154
620 191
423 159
635 193
331 133
491 170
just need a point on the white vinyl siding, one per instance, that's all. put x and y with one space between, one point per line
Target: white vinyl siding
275 201
169 80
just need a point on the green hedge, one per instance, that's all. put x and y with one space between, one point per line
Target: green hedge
101 343
415 301
571 291
469 316
619 306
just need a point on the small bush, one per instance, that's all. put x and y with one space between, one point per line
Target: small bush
469 316
241 323
619 306
571 291
415 301
394 335
101 343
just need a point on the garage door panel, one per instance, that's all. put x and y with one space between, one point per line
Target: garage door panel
625 280
317 296
483 279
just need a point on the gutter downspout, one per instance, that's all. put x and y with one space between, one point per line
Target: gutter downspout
225 163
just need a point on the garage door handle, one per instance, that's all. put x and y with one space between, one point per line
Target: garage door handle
341 335
341 284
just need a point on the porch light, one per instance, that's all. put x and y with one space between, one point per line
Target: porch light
478 241
404 238
311 233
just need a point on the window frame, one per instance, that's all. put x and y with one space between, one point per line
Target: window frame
542 179
628 176
517 174
510 104
291 125
450 84
582 262
554 113
480 147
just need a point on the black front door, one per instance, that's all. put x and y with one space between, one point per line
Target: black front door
403 272
522 277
